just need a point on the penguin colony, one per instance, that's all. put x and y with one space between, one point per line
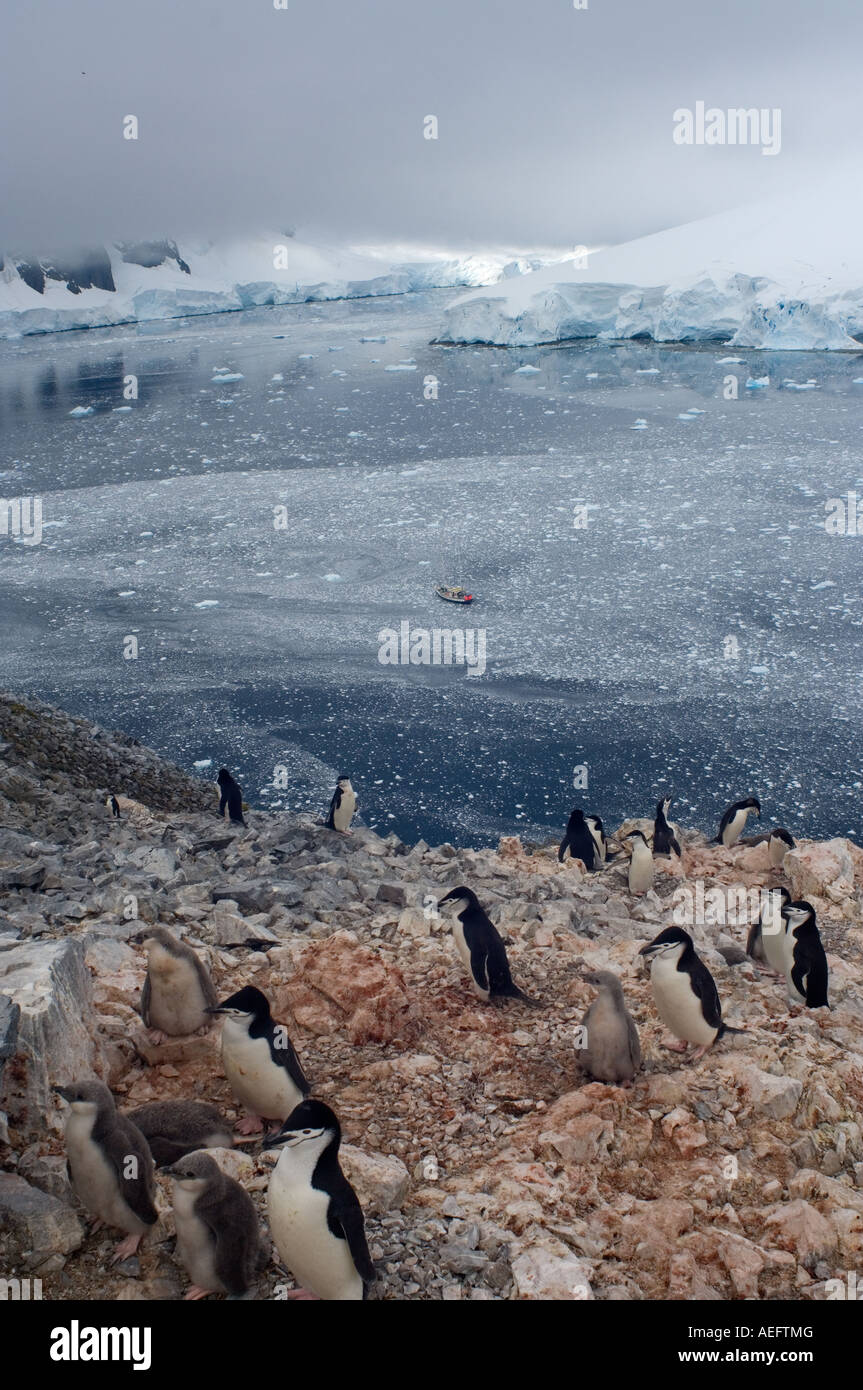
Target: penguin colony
315 1218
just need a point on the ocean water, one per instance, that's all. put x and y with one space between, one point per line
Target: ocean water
660 602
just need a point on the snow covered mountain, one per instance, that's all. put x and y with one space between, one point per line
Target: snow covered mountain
787 273
134 281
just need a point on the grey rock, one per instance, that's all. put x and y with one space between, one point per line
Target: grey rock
22 876
249 897
38 1225
392 893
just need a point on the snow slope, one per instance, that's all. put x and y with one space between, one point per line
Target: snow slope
787 273
226 277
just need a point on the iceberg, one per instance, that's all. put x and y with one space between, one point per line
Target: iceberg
785 273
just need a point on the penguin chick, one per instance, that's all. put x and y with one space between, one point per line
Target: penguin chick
109 1163
665 841
612 1051
218 1236
481 948
231 796
684 992
806 971
174 1128
640 864
178 990
765 942
315 1218
342 807
778 845
733 821
260 1063
580 842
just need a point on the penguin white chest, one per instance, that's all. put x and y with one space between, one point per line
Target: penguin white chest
677 1004
195 1245
318 1260
773 940
177 1001
344 812
735 827
640 868
94 1179
794 995
464 952
259 1083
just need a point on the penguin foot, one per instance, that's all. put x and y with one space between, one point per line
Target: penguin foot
156 1036
249 1124
126 1248
196 1292
699 1053
203 1030
678 1046
305 1295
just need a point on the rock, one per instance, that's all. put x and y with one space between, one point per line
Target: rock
227 928
52 986
10 1012
825 870
380 1182
544 1268
48 1173
341 984
732 953
248 897
23 876
193 1048
392 893
800 1228
775 1096
158 861
36 1225
234 1162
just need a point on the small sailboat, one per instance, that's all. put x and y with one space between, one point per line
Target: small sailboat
453 593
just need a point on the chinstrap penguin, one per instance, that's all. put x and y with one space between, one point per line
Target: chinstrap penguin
806 970
315 1218
665 840
612 1052
218 1235
640 864
342 807
684 992
109 1162
174 1128
260 1063
481 947
580 841
178 991
778 845
114 805
597 830
765 942
733 822
231 796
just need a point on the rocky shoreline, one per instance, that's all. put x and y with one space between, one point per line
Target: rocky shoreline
489 1167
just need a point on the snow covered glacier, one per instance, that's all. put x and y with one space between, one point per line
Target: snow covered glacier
133 282
784 274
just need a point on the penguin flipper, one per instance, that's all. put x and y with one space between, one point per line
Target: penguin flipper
287 1057
704 985
634 1042
345 1220
561 853
674 844
146 1001
122 1142
208 989
754 947
479 965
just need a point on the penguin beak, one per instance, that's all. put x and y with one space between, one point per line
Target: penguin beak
217 1009
650 949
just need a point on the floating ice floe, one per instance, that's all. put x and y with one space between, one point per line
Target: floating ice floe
332 578
639 425
81 410
526 370
757 383
401 367
121 409
208 603
228 376
203 762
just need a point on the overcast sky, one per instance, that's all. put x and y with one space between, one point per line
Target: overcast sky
555 124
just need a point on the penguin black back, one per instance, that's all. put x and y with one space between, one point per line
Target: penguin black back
232 797
486 956
664 839
579 841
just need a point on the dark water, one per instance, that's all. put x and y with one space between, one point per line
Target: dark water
606 645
